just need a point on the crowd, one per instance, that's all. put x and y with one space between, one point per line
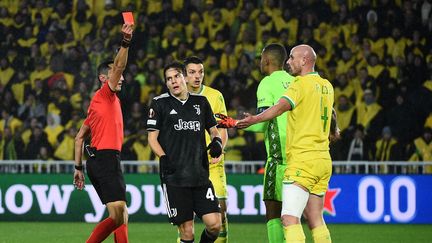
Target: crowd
376 53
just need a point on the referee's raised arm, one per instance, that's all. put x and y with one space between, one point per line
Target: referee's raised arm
120 60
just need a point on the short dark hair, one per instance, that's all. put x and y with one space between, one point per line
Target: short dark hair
175 65
278 53
192 59
104 67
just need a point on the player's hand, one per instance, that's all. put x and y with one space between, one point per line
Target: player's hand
215 147
216 160
225 121
334 136
166 166
127 31
247 121
79 179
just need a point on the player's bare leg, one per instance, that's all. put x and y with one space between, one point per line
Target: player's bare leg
314 214
223 234
213 223
275 231
186 230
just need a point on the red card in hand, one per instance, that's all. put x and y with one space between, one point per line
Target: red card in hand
128 18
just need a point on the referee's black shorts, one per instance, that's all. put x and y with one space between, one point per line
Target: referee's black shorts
106 175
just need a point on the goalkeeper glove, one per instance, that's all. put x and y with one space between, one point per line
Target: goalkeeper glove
215 147
225 121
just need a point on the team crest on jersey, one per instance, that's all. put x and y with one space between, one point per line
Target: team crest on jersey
151 113
197 108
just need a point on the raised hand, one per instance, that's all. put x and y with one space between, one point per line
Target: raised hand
127 31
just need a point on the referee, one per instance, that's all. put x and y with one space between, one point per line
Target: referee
105 124
177 124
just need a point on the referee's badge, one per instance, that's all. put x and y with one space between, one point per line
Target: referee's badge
151 113
197 108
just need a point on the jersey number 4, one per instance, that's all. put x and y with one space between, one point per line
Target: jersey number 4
209 194
324 115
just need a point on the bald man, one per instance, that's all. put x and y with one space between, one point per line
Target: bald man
310 100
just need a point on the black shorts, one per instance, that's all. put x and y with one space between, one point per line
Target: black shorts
183 202
106 176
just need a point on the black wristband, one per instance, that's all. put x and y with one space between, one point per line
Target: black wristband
125 43
218 139
78 167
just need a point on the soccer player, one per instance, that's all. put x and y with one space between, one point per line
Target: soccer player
194 78
105 124
177 123
270 89
310 100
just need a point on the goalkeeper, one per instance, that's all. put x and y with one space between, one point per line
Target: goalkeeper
270 89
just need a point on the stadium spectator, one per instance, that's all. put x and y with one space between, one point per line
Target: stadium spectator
65 147
369 113
357 147
38 139
176 123
53 128
401 29
9 120
422 150
11 145
309 164
105 124
385 150
32 108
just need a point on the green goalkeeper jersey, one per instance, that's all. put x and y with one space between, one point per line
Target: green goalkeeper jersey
270 90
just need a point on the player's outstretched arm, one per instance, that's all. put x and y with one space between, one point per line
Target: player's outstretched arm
120 60
79 140
272 112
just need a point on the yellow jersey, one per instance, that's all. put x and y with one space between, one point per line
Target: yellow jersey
217 103
311 98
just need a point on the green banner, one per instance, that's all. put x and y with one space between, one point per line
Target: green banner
46 197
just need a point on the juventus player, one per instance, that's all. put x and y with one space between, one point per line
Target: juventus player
177 123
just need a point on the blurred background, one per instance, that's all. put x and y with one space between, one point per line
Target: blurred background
376 53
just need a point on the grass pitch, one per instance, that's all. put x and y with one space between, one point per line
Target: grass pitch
35 232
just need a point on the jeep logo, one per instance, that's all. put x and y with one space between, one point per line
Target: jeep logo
187 125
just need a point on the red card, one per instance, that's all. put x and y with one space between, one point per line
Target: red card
128 18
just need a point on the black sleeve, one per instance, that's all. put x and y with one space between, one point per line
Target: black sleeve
210 120
154 119
261 109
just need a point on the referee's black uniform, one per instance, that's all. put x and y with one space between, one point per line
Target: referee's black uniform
185 176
